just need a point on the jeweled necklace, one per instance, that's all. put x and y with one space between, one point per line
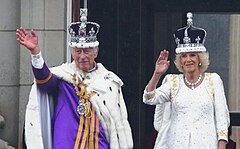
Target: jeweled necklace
83 107
195 83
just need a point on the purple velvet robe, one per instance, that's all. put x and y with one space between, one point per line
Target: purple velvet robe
66 118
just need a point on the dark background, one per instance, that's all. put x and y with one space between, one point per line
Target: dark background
128 46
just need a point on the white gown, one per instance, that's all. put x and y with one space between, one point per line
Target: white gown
197 119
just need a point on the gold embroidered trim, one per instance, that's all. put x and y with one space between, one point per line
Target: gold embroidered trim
89 115
91 131
210 83
45 80
82 93
223 133
174 86
80 127
150 95
85 133
97 132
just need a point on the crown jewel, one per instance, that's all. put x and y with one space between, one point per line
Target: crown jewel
83 33
190 38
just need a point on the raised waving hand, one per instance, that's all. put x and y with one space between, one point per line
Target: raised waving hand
29 40
161 67
162 63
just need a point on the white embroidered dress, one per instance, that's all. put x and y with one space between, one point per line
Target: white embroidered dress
198 119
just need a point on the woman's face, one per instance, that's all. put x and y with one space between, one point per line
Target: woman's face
190 62
84 57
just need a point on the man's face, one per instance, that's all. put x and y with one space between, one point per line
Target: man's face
84 57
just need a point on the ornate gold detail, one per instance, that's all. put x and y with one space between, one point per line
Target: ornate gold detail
210 83
223 133
81 90
174 86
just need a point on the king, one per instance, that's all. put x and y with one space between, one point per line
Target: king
78 104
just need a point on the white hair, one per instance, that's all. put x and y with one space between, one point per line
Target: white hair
203 58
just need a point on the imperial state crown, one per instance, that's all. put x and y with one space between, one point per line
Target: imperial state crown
83 34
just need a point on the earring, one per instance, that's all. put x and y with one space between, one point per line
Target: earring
200 64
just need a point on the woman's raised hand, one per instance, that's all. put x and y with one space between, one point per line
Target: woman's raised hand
29 40
161 67
162 63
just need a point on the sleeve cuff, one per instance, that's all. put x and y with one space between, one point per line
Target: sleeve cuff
149 95
223 135
37 60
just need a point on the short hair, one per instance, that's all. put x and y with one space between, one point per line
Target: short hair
95 49
203 58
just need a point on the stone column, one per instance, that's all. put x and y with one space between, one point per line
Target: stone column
2 121
9 68
48 18
234 71
3 144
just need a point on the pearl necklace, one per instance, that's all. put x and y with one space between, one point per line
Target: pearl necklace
195 83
